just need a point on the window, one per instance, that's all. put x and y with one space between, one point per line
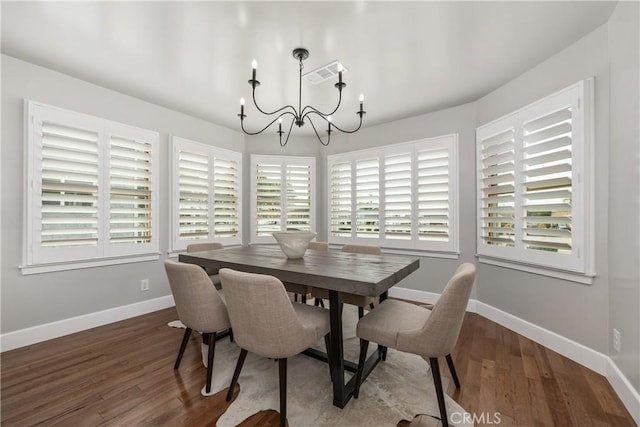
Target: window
399 196
207 192
91 188
533 183
282 195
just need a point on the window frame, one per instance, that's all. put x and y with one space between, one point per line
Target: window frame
38 259
210 151
413 148
580 262
282 161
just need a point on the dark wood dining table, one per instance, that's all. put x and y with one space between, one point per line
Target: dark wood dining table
338 272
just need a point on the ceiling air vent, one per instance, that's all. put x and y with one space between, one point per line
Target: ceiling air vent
324 73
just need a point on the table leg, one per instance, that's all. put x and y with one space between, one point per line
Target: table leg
382 351
340 397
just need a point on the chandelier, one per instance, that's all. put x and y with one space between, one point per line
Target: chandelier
299 115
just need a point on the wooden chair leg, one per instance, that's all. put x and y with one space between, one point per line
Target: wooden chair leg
360 312
282 368
437 381
236 373
371 306
230 335
452 369
185 340
364 345
212 349
295 297
303 298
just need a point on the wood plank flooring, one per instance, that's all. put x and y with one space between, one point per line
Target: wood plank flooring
122 375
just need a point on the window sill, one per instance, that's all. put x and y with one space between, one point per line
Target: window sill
571 276
414 252
49 268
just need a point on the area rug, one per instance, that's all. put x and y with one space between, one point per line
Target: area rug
398 389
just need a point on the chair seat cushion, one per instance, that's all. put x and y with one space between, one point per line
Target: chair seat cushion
390 318
315 318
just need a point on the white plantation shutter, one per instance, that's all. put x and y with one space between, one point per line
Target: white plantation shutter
130 188
547 182
90 189
433 194
298 197
533 206
399 196
497 185
206 194
226 187
367 212
193 196
282 195
69 186
340 199
269 204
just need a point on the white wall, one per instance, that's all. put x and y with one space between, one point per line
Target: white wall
43 298
624 189
573 310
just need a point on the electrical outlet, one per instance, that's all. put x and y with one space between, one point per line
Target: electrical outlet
617 341
144 284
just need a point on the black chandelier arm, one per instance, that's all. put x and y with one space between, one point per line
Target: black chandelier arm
288 134
304 114
270 123
293 109
333 125
316 131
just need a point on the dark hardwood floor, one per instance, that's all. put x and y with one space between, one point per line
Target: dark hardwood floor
122 374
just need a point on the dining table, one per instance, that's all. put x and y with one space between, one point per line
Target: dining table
337 272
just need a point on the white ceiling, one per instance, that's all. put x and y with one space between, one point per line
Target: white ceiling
407 58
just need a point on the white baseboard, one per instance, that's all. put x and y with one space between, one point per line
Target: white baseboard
575 351
35 334
570 349
625 391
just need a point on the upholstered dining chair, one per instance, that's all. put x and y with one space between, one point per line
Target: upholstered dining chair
199 307
266 322
430 333
300 289
361 301
209 246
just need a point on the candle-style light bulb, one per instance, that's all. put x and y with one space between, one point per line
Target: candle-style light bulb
280 126
361 98
254 67
340 68
329 124
241 108
279 120
242 101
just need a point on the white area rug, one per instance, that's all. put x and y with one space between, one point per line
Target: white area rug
398 389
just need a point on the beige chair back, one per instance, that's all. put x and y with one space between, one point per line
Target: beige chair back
199 247
262 318
440 332
199 305
362 249
319 246
209 246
